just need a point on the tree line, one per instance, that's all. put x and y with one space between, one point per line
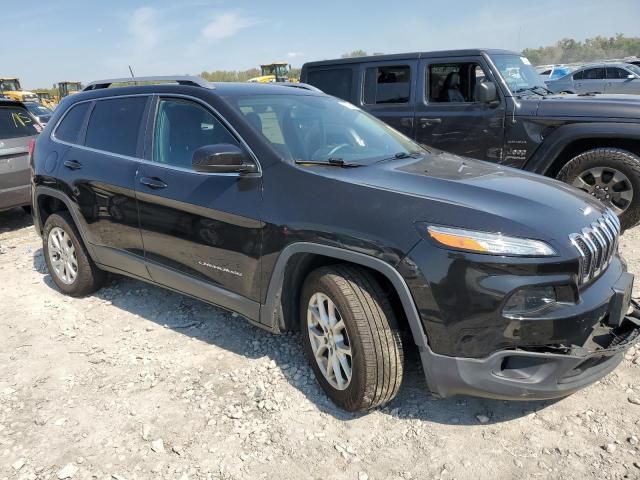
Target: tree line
593 49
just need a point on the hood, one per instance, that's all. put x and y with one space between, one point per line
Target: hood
446 189
594 106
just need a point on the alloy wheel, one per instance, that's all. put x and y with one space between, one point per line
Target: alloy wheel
610 186
62 255
329 341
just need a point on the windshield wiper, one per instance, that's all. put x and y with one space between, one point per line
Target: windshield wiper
533 90
332 162
403 155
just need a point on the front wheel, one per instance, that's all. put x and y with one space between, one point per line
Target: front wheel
351 337
612 176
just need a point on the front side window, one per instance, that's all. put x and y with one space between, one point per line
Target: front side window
15 122
614 73
114 125
454 82
319 128
389 84
71 124
181 127
517 72
335 81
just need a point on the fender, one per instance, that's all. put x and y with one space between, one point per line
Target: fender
52 192
269 309
555 143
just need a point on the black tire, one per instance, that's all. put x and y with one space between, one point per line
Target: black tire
89 277
372 329
622 160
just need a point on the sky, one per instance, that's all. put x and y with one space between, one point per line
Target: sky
45 42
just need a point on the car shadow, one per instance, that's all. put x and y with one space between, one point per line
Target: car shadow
14 219
230 332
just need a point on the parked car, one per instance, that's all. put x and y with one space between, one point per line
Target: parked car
18 128
298 210
492 105
42 113
600 78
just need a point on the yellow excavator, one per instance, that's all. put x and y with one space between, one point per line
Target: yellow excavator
46 99
274 72
10 88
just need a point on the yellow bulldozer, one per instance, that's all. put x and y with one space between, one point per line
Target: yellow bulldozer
10 88
46 99
274 72
68 88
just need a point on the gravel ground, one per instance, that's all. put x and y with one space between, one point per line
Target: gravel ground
137 382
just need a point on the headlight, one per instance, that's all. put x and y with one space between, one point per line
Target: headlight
491 243
529 299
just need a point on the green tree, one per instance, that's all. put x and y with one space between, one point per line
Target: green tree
355 53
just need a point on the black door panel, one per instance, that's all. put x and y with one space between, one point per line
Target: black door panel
447 115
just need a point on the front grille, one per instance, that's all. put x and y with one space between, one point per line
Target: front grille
596 245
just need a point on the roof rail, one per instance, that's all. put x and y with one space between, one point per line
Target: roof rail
303 86
179 79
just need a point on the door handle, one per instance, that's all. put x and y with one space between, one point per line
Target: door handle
153 182
72 164
427 122
406 121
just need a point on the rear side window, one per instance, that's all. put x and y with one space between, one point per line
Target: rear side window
15 122
71 124
336 81
387 84
593 74
578 76
114 125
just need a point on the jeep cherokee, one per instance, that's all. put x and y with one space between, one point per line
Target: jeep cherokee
298 210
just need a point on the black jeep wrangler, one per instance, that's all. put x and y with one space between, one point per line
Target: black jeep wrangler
301 211
492 105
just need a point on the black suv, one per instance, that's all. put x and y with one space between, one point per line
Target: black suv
298 210
492 105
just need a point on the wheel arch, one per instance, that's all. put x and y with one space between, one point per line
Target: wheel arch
567 141
280 310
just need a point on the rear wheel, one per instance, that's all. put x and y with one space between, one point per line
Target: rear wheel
68 262
612 176
351 337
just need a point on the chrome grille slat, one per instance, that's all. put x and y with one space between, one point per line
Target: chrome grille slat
596 245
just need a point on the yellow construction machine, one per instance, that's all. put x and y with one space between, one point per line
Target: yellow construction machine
274 72
10 88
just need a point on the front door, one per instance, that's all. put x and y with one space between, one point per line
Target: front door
388 92
618 81
447 115
201 231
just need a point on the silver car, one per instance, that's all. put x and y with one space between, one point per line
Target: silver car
599 78
17 129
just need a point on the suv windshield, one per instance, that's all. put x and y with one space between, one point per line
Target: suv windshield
38 109
318 128
517 72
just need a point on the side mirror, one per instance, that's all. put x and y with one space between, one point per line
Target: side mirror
222 158
631 76
485 92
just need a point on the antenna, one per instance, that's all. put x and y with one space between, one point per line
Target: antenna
131 72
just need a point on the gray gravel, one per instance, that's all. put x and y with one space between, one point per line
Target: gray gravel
136 382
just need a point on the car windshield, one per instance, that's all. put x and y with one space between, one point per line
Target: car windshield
634 68
38 109
517 72
319 128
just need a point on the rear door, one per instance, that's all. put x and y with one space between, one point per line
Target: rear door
590 80
618 81
105 139
17 129
201 231
447 115
388 91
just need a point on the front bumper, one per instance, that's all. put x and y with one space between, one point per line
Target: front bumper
532 374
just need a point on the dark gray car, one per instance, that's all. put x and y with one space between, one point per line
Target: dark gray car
600 78
17 130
